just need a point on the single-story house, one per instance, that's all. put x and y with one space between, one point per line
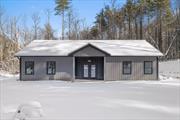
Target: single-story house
89 59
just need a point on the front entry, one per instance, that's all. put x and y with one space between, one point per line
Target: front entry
89 71
89 68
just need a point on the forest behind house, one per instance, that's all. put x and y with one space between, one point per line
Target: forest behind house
157 21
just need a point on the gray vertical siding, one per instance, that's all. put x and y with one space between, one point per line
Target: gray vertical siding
113 68
64 68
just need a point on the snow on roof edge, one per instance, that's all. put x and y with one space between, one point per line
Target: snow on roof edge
85 43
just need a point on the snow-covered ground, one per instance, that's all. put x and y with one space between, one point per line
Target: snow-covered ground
121 100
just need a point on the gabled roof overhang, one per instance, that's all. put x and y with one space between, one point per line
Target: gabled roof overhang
88 45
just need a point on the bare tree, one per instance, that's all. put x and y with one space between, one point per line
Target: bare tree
48 30
70 17
74 26
36 26
26 33
14 29
1 20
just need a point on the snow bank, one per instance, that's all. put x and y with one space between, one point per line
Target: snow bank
170 68
28 110
4 75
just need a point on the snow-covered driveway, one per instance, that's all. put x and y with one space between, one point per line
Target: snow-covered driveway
139 100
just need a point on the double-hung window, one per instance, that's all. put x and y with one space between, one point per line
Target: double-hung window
29 67
148 67
51 67
127 67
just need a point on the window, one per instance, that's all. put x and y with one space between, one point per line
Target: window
93 71
29 67
86 70
127 67
51 67
148 67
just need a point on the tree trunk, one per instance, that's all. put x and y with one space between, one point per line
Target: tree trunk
124 31
129 25
136 29
69 17
119 32
160 33
63 25
141 27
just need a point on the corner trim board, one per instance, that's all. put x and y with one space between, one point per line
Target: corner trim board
20 69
